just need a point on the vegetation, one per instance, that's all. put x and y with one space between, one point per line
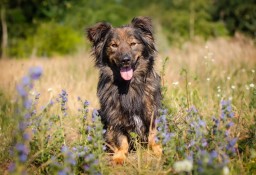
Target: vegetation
27 25
207 125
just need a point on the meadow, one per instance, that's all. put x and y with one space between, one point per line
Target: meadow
48 124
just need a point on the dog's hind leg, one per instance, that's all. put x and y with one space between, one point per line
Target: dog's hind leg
121 151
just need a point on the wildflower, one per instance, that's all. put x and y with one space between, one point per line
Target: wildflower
12 167
251 85
86 103
214 154
228 78
204 142
184 165
229 125
233 87
208 79
253 71
35 72
89 138
22 92
225 170
26 81
22 151
63 96
95 114
64 149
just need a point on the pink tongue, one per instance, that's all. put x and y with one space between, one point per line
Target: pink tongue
126 73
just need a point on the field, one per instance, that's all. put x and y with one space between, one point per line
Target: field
207 125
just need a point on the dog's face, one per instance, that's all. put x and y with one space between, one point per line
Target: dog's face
123 48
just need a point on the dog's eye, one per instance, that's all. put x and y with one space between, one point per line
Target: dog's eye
133 44
114 45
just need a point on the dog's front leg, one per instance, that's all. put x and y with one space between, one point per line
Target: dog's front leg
121 149
156 148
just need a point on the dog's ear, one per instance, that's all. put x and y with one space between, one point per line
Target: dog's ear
144 24
97 32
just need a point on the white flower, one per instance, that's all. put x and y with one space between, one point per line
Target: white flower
225 170
233 87
251 85
189 83
208 79
230 98
218 95
184 165
228 78
175 83
247 87
253 71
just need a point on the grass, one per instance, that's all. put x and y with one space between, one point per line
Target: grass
208 117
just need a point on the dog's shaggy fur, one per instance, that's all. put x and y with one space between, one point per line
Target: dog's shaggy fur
129 88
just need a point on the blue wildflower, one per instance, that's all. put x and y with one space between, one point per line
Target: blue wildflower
35 72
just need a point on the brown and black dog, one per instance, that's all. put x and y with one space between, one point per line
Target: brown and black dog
129 88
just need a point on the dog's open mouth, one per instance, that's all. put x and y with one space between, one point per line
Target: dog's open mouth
126 73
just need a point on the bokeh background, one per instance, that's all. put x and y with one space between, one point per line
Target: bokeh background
46 28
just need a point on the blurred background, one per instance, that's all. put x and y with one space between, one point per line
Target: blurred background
46 28
209 39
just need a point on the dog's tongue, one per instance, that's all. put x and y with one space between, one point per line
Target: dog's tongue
126 73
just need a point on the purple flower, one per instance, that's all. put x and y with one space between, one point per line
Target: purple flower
86 103
89 157
28 104
202 123
204 142
12 167
22 92
26 136
214 154
229 125
89 138
232 142
26 81
62 172
95 114
23 157
35 72
64 149
231 114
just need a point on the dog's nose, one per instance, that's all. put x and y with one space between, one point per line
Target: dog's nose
126 60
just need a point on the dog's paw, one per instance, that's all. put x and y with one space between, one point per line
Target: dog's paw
157 150
119 158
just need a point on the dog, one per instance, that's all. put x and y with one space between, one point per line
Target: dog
129 88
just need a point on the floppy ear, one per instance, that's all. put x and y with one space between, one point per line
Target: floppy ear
97 32
144 24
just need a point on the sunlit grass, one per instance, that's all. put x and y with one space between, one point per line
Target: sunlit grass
198 75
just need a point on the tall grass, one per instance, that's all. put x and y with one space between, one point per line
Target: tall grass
206 125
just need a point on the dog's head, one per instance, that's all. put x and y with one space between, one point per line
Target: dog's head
125 49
